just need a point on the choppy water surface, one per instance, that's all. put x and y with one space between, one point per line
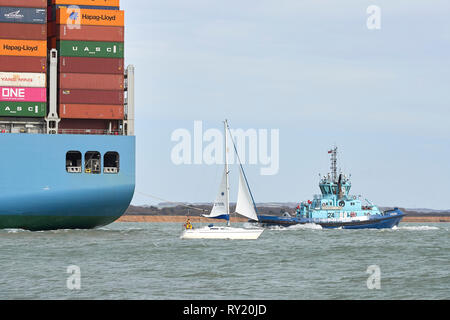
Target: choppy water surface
149 261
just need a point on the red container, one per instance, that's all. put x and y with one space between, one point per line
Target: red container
106 3
49 14
76 96
90 124
51 29
22 31
23 64
91 81
91 111
51 43
24 3
87 33
91 65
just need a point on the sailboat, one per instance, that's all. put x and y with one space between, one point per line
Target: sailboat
245 206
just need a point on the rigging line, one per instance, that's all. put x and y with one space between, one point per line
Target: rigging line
242 168
177 203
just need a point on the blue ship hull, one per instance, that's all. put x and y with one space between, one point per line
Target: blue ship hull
37 193
388 220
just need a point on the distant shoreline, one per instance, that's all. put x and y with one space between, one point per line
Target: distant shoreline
426 219
197 219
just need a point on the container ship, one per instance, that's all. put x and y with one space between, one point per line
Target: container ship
66 115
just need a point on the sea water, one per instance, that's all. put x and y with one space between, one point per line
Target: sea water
150 261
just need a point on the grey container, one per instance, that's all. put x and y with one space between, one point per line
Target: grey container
23 15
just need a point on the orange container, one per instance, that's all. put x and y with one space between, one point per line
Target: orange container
23 48
103 3
90 17
91 111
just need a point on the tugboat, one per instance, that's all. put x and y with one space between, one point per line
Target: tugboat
336 208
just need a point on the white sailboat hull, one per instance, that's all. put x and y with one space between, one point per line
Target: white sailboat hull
222 233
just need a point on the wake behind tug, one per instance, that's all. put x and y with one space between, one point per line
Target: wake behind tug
336 208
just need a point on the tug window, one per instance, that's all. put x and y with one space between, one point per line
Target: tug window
73 162
92 162
111 163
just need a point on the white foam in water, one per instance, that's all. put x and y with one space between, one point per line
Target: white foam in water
307 226
15 230
416 228
250 225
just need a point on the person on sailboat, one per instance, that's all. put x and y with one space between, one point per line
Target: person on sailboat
188 225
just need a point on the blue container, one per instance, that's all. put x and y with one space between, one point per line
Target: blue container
23 15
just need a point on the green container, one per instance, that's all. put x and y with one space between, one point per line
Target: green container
23 109
93 49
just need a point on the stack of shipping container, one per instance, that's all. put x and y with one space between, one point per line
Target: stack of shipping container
23 64
89 37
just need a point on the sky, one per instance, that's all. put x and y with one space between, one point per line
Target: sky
310 69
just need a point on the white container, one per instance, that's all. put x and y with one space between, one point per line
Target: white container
25 80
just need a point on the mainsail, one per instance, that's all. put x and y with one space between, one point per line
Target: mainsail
245 205
220 207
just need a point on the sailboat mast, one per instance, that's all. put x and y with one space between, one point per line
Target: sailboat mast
227 192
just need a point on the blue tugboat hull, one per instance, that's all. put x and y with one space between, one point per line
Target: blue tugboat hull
388 220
